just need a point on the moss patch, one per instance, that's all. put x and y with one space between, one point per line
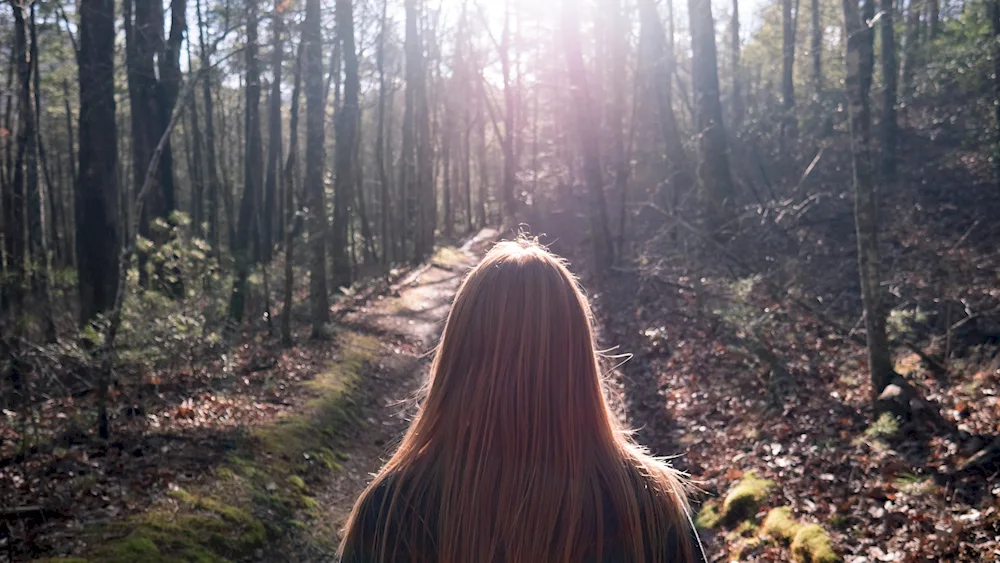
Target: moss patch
224 520
708 517
780 524
449 256
745 498
812 545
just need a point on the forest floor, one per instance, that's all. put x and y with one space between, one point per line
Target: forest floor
261 459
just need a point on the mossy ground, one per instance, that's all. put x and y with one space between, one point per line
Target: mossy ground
261 489
745 499
780 524
812 545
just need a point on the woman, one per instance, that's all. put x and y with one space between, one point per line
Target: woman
515 455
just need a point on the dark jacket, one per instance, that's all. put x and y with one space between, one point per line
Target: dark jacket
372 522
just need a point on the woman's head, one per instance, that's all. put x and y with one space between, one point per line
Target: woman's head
515 455
516 363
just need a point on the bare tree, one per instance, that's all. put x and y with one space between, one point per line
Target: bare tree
347 141
315 119
589 139
889 77
865 200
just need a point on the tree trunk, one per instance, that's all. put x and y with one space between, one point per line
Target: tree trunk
507 142
98 240
385 215
253 171
273 135
211 162
714 177
865 200
934 18
739 107
347 140
817 48
12 204
787 68
663 62
315 119
589 139
197 170
889 77
616 114
291 183
911 48
167 87
426 199
995 48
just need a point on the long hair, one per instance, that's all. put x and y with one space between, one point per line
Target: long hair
515 454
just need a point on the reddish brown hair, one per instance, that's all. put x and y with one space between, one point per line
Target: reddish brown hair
515 454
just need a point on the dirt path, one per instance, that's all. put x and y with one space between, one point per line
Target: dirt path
407 323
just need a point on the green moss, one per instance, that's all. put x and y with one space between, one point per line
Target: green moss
449 256
780 524
812 545
308 502
745 498
182 496
298 483
885 426
225 473
708 517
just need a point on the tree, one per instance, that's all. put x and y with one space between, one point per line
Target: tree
385 189
739 107
714 177
314 189
661 55
291 182
911 48
995 44
253 172
889 77
865 200
816 47
211 160
347 141
787 66
589 141
98 240
268 213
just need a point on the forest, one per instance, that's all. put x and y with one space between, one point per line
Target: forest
230 230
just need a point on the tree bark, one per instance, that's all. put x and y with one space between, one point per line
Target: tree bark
739 106
197 162
211 161
995 47
253 171
589 139
385 189
817 48
663 62
291 183
911 48
787 67
315 120
714 176
889 77
273 134
865 198
98 239
347 140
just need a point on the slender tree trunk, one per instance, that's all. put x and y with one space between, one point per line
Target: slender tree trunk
347 140
96 193
483 163
739 106
253 172
167 89
197 169
315 119
661 58
273 134
211 162
817 48
385 216
995 48
934 18
787 67
616 115
12 204
865 200
426 194
507 142
446 142
291 184
911 48
889 76
589 139
714 176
